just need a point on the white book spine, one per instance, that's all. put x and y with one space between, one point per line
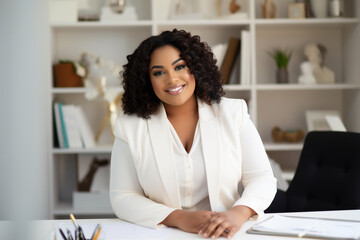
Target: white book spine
72 128
87 135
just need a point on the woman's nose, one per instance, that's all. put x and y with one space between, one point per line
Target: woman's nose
172 76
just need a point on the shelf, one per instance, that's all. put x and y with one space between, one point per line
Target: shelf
305 22
236 87
99 24
100 149
271 146
204 22
68 90
294 86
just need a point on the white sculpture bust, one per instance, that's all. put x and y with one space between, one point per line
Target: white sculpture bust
307 76
316 56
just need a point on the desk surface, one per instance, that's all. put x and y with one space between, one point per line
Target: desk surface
44 229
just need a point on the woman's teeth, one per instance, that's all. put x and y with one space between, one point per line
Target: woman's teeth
175 90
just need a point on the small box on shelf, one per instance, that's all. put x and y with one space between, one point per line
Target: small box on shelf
92 201
65 76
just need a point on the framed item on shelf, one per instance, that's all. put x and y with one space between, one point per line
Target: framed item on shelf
297 10
324 121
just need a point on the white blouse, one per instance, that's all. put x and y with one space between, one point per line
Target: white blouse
191 175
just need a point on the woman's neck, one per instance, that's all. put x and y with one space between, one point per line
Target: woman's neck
186 109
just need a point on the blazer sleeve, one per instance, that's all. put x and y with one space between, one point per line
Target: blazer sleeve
126 195
257 176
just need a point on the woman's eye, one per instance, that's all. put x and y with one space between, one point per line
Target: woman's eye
158 73
179 67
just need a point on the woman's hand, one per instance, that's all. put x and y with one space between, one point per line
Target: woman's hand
188 221
226 224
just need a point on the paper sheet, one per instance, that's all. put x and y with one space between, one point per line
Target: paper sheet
316 227
116 230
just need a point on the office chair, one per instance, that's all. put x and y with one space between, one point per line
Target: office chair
327 176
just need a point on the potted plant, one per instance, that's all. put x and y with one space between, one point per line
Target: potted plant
282 58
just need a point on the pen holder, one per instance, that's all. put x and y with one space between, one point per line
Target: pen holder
68 229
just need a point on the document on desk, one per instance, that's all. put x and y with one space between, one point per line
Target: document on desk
308 227
117 230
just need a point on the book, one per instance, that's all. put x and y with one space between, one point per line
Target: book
71 126
219 52
63 127
325 228
58 128
245 57
87 135
229 59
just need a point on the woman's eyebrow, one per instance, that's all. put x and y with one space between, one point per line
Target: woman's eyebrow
159 66
156 66
177 60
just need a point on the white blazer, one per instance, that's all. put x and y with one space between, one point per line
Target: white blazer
143 182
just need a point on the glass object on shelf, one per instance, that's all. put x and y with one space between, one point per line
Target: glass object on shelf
89 10
117 5
117 10
336 8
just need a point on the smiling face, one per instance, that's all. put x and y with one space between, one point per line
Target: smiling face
171 79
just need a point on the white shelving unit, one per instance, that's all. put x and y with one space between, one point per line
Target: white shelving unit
271 104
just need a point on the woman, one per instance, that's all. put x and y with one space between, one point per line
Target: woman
181 149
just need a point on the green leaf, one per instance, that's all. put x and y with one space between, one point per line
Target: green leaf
281 57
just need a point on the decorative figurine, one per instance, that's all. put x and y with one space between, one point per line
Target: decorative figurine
316 56
103 80
85 184
268 9
307 76
287 135
234 7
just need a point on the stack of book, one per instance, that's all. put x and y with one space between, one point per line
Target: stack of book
72 127
233 59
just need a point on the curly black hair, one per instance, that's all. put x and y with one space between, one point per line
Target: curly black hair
139 96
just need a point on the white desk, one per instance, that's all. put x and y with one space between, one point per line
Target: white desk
44 229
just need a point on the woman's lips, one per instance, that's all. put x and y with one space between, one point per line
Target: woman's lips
175 90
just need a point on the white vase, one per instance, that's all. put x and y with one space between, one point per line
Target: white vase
320 8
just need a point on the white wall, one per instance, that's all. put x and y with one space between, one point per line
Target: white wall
24 108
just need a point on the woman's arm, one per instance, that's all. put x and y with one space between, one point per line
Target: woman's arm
257 176
126 195
188 221
130 203
257 179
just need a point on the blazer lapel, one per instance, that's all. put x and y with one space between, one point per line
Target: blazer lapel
161 143
210 137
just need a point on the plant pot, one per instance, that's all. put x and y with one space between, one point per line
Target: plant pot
282 75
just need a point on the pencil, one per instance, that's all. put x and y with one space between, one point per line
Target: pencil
97 234
69 234
62 234
95 231
74 221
